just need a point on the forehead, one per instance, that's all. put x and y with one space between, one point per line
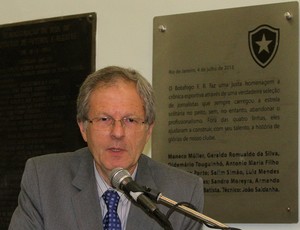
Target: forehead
119 96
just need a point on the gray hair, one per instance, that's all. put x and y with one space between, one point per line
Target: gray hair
109 75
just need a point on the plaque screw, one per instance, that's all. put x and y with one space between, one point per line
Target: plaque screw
90 18
162 28
288 209
288 15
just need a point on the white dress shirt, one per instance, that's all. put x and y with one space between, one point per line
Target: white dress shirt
124 203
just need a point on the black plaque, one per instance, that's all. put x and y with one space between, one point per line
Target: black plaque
42 64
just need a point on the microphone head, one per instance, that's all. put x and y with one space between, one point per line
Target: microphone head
117 175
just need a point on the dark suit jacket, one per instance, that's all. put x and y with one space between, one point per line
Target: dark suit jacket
58 192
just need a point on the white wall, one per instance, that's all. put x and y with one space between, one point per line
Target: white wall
124 34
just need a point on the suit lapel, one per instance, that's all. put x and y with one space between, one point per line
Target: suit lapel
137 218
86 201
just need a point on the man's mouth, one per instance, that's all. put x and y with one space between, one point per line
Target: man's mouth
116 149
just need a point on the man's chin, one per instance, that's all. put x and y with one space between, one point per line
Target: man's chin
129 167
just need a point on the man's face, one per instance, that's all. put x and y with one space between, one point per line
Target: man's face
117 145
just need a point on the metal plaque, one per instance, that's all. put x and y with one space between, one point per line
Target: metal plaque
42 65
226 84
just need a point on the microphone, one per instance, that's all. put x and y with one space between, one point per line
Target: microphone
122 180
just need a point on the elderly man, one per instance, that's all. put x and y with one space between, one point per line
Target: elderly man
115 115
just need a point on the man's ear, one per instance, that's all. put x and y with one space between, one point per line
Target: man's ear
82 128
149 131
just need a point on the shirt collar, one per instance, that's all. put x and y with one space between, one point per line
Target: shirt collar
102 186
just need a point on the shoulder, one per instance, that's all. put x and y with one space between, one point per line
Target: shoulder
58 162
60 157
173 182
169 178
160 170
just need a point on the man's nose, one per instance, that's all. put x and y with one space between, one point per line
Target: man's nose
118 129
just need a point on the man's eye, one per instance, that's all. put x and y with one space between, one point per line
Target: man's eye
104 119
130 120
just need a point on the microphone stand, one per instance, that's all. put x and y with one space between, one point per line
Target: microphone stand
191 212
159 198
149 207
162 220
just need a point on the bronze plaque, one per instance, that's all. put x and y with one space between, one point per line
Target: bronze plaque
226 84
42 65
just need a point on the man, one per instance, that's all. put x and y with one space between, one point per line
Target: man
115 114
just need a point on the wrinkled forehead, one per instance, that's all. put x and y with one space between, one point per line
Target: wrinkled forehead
120 96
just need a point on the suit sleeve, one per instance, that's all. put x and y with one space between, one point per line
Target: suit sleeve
28 214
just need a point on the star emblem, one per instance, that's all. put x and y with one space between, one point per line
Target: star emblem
263 44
